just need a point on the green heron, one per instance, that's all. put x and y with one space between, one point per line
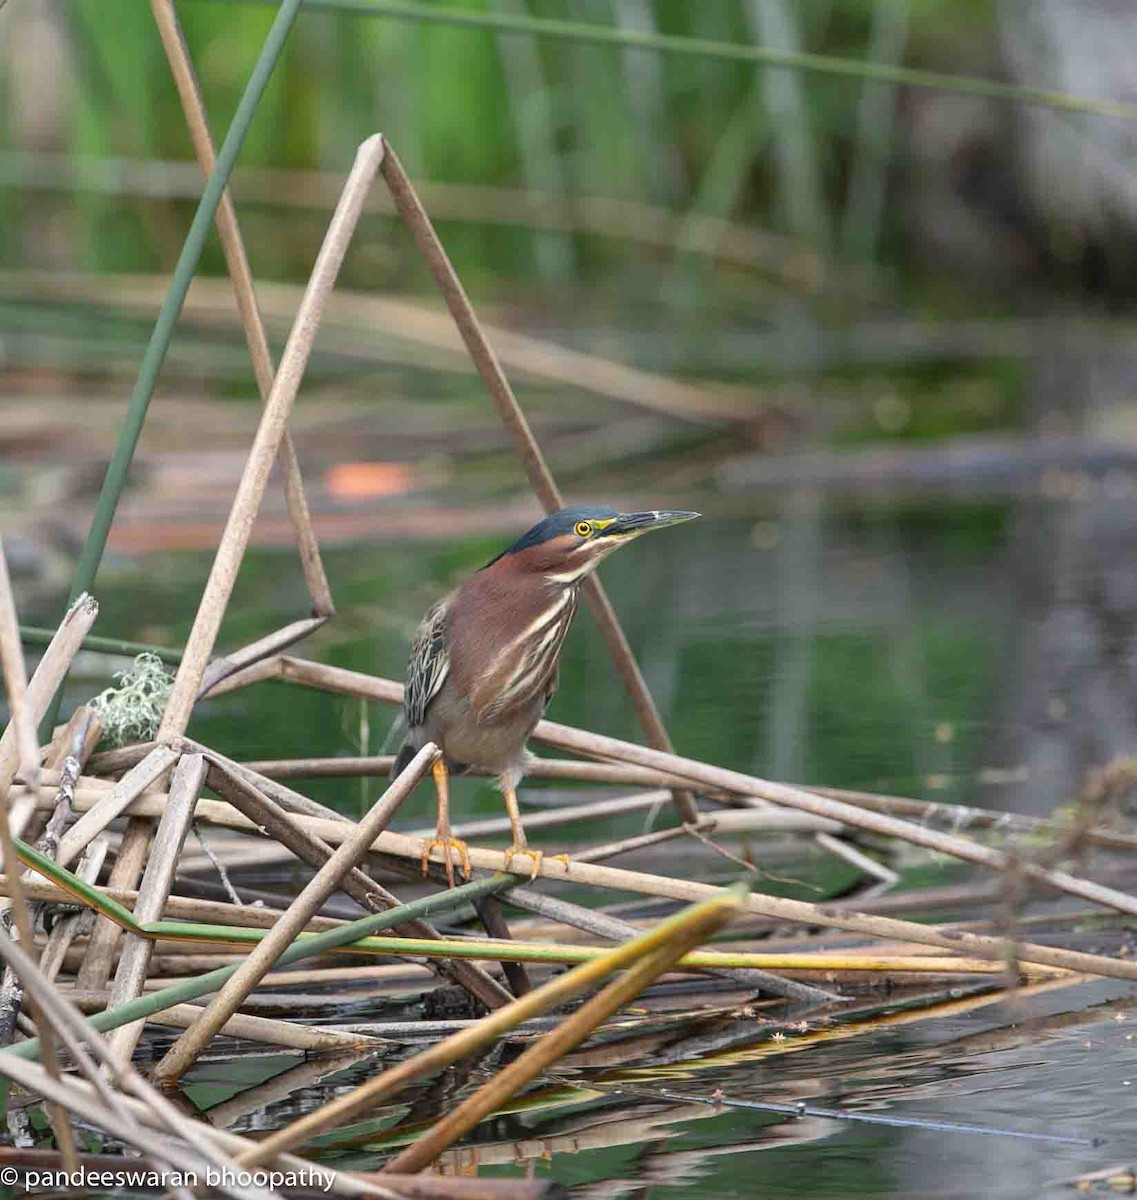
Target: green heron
485 660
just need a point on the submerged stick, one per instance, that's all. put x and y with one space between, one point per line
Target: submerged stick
181 1055
848 1114
697 921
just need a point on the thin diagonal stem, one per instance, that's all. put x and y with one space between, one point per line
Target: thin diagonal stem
237 262
761 56
266 444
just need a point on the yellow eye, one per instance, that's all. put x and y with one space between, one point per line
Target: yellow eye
583 528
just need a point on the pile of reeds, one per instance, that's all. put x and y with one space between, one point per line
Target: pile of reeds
137 951
101 940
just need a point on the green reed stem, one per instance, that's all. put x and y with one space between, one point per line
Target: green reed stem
33 635
819 64
159 343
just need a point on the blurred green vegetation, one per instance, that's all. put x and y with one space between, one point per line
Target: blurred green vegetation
470 106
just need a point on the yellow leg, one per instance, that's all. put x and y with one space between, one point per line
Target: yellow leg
520 844
442 835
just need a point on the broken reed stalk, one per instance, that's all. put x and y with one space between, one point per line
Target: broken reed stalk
66 756
25 747
278 824
16 683
237 263
272 643
115 802
157 880
307 946
266 444
525 444
698 921
47 677
181 1055
510 1079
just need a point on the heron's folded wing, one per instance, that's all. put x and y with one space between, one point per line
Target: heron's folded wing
429 664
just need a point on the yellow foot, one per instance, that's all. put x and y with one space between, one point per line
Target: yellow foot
446 844
535 855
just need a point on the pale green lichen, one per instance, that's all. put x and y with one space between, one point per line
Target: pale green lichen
131 712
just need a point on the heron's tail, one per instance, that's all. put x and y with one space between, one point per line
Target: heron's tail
402 760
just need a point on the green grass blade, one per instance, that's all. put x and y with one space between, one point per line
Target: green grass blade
33 635
820 64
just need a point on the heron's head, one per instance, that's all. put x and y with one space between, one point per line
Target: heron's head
568 544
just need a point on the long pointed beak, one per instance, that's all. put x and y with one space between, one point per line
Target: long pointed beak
634 524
